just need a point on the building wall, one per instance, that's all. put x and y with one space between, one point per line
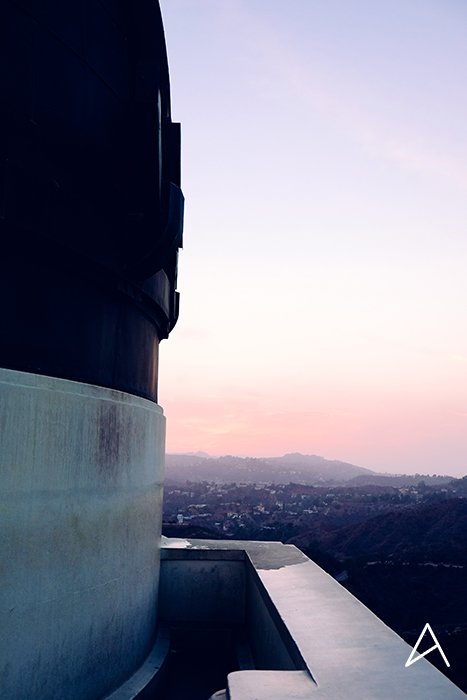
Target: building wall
81 475
202 587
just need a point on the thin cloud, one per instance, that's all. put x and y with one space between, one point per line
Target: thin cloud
281 64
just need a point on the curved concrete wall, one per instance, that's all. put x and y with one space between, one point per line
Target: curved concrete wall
81 474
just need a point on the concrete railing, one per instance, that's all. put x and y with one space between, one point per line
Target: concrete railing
310 638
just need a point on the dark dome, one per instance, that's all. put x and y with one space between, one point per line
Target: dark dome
91 209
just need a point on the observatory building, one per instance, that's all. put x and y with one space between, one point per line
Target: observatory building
91 217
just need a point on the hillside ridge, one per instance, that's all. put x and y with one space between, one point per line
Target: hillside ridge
292 467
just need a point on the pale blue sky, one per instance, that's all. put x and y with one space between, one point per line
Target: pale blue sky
323 284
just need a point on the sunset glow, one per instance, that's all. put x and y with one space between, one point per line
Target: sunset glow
323 284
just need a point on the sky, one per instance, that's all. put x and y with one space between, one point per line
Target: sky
323 275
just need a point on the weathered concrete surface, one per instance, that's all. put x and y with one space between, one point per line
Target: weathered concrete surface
343 649
146 681
348 650
81 476
202 586
272 685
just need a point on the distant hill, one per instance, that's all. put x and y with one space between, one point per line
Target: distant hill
301 469
306 469
397 480
408 567
428 533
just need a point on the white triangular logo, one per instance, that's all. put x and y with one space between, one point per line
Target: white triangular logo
437 645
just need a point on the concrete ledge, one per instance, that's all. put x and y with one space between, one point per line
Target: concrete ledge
202 586
346 651
177 554
271 685
146 680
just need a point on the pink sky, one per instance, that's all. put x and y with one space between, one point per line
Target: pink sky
323 285
413 439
